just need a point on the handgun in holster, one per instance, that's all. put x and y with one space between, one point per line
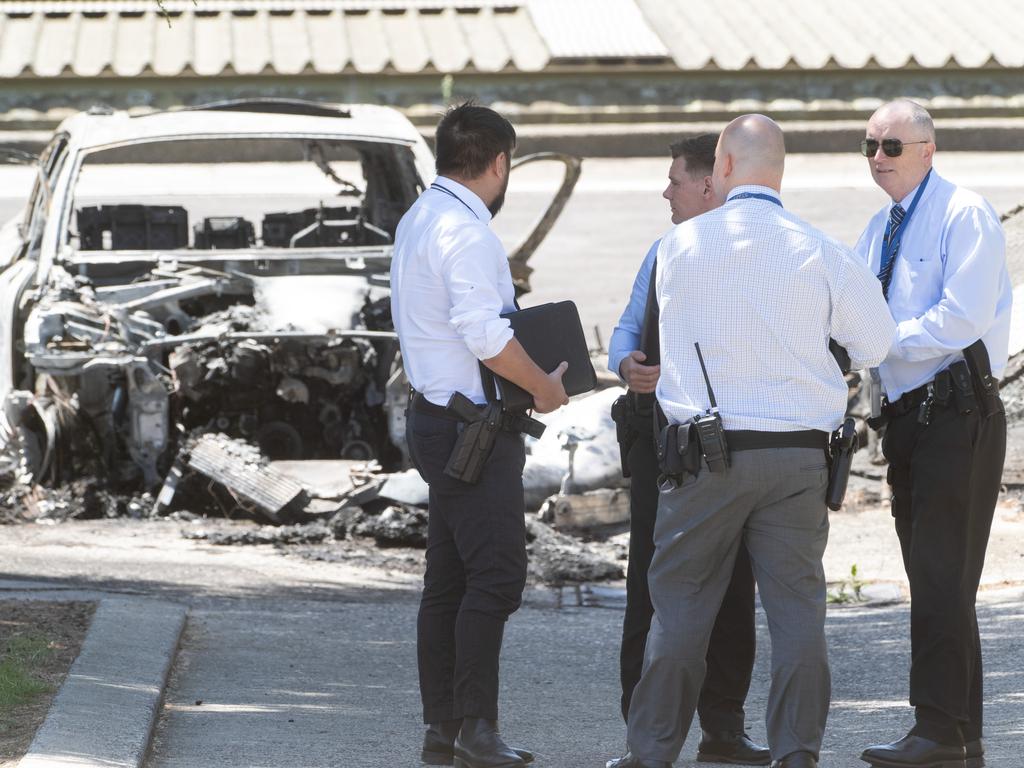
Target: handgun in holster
841 447
478 434
626 433
986 386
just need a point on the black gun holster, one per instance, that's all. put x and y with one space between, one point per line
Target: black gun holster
478 432
842 445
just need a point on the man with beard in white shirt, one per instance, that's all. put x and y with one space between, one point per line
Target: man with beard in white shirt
450 283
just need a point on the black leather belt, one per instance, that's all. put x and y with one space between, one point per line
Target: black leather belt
420 404
911 400
752 440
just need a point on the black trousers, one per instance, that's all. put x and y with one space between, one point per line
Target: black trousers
476 570
945 481
730 659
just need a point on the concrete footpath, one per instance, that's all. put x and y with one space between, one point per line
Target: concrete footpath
104 714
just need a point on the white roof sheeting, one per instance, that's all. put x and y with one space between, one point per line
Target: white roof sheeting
126 38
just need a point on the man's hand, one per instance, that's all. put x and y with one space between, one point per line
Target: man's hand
553 395
639 378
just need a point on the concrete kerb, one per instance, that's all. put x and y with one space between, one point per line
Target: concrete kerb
107 708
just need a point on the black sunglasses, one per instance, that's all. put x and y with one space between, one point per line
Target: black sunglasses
891 147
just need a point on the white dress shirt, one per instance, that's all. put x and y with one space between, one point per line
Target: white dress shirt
949 286
450 281
762 292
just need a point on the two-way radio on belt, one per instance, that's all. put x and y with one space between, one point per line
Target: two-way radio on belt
710 431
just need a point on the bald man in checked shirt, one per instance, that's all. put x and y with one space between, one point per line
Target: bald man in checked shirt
761 292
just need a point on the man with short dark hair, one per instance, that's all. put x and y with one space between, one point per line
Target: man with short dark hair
633 355
939 252
450 283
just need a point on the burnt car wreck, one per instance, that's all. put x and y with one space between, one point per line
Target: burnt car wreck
217 270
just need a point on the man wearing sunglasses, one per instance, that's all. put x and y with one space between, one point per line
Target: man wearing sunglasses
939 252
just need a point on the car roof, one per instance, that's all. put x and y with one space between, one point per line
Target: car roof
98 128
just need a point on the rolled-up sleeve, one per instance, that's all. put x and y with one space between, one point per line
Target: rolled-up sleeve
470 269
626 336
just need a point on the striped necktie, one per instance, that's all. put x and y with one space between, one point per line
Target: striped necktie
885 274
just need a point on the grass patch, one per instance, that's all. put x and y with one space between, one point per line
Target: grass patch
23 657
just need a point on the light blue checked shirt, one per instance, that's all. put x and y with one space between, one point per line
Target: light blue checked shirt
949 286
762 291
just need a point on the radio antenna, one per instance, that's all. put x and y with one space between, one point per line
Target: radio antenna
707 381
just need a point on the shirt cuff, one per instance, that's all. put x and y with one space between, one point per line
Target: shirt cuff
489 339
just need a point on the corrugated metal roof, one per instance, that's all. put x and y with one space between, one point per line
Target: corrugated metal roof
817 34
252 37
576 29
102 38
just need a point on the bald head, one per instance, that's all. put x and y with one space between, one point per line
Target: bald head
751 151
909 114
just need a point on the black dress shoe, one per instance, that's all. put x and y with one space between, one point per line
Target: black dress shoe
439 744
975 754
479 745
915 752
733 747
629 760
796 760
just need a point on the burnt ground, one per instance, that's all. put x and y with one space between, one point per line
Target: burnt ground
62 626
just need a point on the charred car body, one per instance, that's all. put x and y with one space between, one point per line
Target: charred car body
217 269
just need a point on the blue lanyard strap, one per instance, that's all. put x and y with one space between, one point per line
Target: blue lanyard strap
448 192
758 195
890 246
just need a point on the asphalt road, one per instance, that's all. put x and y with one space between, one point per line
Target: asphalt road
288 662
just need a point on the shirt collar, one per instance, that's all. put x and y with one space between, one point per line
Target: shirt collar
466 195
906 201
756 189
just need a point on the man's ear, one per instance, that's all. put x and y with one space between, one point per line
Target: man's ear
708 189
500 165
929 150
726 161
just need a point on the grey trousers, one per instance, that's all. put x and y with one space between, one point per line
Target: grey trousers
774 499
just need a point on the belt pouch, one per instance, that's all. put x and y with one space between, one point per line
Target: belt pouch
963 389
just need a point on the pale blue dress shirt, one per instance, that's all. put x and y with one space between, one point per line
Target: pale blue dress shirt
949 287
626 336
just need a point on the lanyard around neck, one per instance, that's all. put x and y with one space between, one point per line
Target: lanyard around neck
758 195
891 245
448 192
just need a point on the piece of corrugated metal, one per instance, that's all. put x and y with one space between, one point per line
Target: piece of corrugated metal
213 42
173 46
133 43
408 47
529 53
368 42
595 29
328 44
491 44
96 40
290 45
250 42
447 45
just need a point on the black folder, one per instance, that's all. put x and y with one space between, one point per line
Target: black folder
550 333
